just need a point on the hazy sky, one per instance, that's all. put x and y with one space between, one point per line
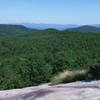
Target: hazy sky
50 11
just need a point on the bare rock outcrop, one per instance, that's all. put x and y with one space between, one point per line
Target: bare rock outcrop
71 91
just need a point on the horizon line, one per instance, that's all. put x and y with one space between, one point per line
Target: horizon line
43 23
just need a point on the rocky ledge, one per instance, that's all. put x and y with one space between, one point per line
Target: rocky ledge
72 91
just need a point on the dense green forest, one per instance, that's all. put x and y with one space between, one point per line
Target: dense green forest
34 57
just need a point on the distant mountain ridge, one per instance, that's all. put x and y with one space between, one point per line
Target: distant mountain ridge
13 29
56 26
96 25
46 26
85 28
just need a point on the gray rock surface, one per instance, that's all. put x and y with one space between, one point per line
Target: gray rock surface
71 91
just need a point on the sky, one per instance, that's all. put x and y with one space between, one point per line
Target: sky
50 11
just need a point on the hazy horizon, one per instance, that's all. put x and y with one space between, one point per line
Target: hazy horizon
46 23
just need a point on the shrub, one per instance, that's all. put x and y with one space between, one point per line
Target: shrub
94 71
69 76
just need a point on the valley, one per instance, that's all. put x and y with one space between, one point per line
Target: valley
32 58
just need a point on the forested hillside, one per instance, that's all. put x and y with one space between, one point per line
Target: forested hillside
86 28
33 58
6 29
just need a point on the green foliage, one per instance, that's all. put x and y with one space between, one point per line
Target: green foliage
33 58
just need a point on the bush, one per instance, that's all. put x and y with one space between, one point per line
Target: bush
69 76
94 71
